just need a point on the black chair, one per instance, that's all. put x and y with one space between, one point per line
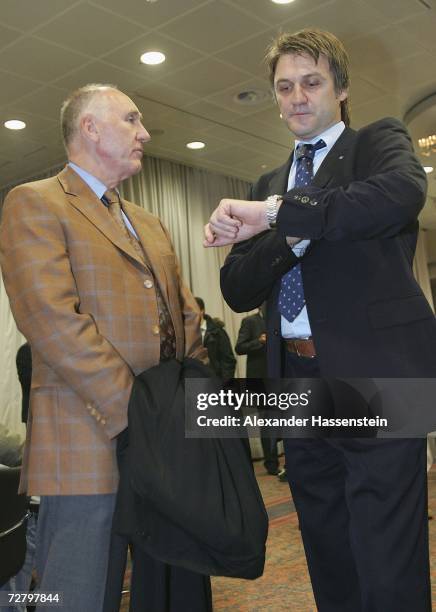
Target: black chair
13 522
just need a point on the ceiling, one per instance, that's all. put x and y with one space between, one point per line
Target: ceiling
214 50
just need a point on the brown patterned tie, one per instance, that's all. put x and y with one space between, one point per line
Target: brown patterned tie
167 334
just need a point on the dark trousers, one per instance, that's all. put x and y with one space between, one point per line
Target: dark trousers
362 507
155 586
270 454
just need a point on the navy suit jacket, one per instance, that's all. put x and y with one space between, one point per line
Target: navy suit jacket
368 315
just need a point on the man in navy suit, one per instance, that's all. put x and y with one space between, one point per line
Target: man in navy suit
328 241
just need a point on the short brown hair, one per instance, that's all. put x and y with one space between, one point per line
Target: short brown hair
314 43
74 105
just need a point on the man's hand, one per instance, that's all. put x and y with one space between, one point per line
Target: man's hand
234 221
262 338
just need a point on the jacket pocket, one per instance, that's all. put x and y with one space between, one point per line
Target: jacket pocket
399 311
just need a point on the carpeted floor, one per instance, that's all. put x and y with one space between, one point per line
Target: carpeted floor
285 585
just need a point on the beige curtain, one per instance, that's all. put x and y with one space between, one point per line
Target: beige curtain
10 390
183 197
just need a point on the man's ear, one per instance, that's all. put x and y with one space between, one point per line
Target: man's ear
343 95
89 127
274 97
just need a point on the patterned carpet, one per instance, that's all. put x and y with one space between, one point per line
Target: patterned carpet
285 585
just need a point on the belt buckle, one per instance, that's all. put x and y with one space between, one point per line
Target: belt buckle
296 348
298 352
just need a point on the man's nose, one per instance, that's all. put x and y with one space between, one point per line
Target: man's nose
143 135
298 95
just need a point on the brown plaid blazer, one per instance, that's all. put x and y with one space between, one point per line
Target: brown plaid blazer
85 302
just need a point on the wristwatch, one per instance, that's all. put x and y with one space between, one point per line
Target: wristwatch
272 202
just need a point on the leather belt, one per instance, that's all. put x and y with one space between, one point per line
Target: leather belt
303 347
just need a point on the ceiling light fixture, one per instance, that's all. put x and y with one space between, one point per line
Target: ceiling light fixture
428 169
282 1
14 124
250 97
427 145
195 145
152 58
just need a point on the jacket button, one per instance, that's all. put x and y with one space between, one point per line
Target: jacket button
155 330
276 332
148 283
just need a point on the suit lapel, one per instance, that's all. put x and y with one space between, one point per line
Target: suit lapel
147 231
278 183
84 199
330 169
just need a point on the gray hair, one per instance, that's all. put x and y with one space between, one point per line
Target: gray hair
73 107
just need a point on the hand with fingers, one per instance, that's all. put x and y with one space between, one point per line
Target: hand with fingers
234 221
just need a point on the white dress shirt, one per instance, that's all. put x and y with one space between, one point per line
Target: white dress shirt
300 326
99 188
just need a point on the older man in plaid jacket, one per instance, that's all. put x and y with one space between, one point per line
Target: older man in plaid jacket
94 286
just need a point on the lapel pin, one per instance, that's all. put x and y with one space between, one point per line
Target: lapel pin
341 157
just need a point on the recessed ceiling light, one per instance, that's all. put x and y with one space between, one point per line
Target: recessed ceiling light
250 97
282 1
15 124
428 169
152 58
196 145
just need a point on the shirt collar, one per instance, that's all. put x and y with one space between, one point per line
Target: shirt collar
93 183
330 136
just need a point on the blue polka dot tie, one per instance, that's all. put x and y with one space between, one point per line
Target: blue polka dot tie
291 296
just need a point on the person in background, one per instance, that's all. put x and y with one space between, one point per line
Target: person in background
252 342
11 447
215 339
94 286
328 240
11 452
23 581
